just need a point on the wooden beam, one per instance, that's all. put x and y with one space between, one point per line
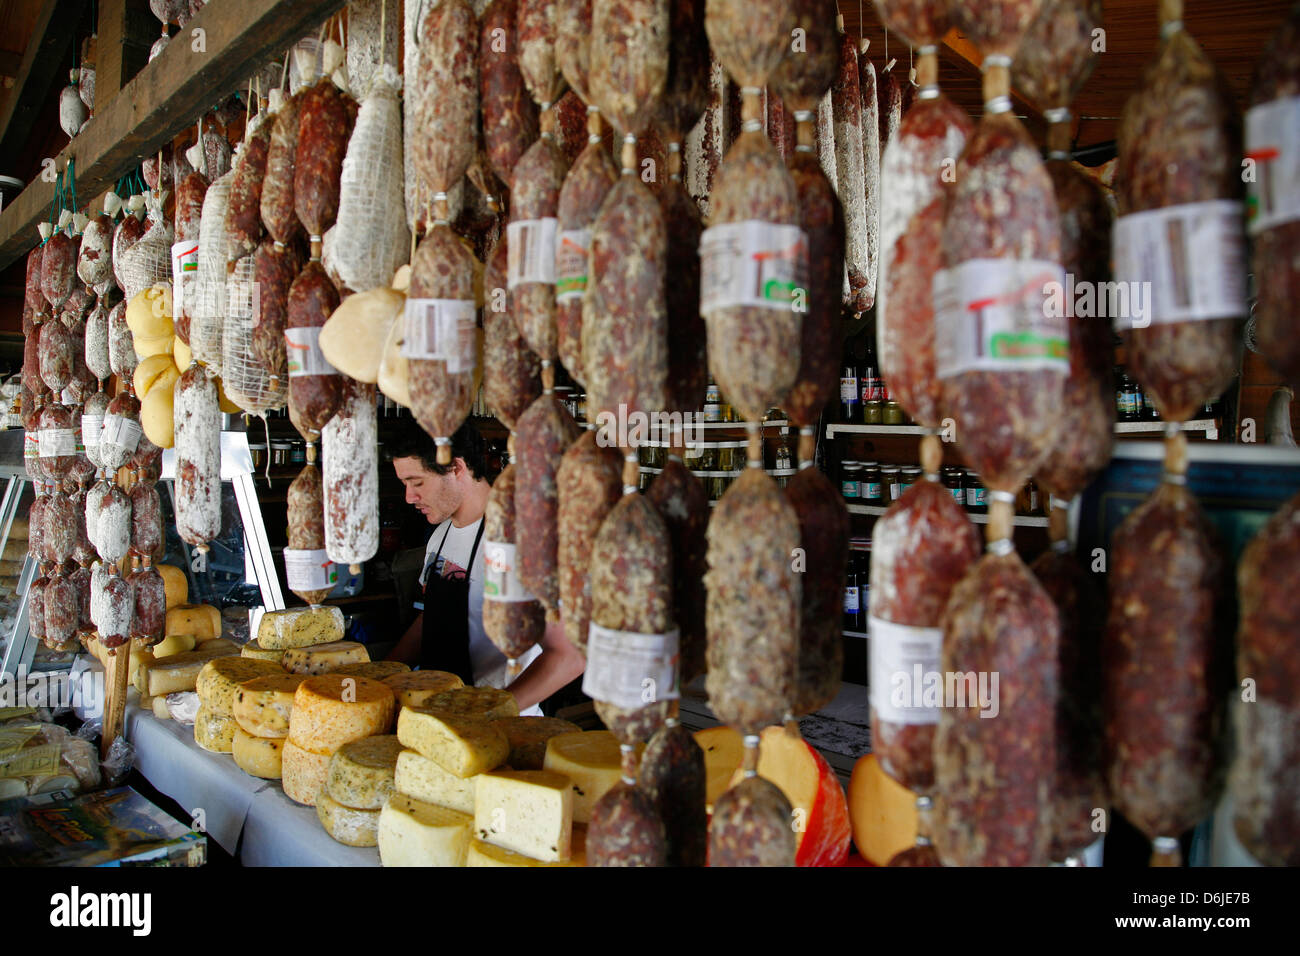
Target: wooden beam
215 54
10 63
51 37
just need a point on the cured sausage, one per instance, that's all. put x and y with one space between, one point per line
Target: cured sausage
198 457
846 105
81 581
536 43
36 607
1273 212
189 205
751 826
683 504
530 276
279 213
207 311
122 433
94 508
305 558
324 122
83 552
185 251
315 387
704 146
673 776
588 485
512 618
570 124
96 344
57 441
1179 143
626 828
1265 788
55 352
573 44
510 122
122 357
443 95
95 255
116 608
890 96
60 527
128 232
146 520
32 427
58 269
439 336
688 364
629 60
149 611
244 209
545 430
61 612
113 539
349 444
511 373
267 372
803 76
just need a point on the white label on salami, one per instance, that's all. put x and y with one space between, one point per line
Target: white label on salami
572 249
530 251
897 654
31 445
500 574
302 346
1192 258
753 264
122 432
57 442
995 315
91 428
1273 176
440 330
309 570
69 396
185 269
630 670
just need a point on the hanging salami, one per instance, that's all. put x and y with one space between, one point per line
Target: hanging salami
198 458
545 430
307 568
509 115
683 504
315 386
588 485
511 373
512 618
350 476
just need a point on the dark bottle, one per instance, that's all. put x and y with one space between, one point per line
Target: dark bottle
872 387
853 616
850 393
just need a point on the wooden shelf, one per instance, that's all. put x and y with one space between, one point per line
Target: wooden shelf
1207 425
849 429
1020 521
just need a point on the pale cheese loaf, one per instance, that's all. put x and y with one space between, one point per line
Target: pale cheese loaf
415 833
418 776
264 704
218 682
464 746
300 627
214 732
417 688
528 811
323 658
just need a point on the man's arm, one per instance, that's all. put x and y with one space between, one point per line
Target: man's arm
558 664
407 650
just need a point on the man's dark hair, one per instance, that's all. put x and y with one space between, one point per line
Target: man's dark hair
414 442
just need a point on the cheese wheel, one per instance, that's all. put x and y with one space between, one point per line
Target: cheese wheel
486 702
330 711
375 670
418 687
528 811
528 737
415 833
262 705
347 825
362 772
300 627
218 682
323 658
214 732
258 756
303 773
418 776
175 585
201 620
259 653
485 854
460 745
592 761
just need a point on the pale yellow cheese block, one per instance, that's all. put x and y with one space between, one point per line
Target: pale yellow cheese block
330 711
486 702
418 776
528 737
528 811
362 771
214 732
464 746
347 825
178 672
258 653
323 658
592 761
303 773
263 705
258 756
201 620
485 854
173 644
300 627
219 680
418 687
415 833
175 584
160 708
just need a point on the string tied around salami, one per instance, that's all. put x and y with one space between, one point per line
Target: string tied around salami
1175 463
997 83
1002 509
807 446
927 72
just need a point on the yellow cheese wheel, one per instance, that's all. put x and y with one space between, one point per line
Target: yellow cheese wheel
219 681
156 417
486 702
329 711
303 773
258 756
418 776
182 354
591 760
175 584
157 371
162 345
262 705
323 658
257 652
214 732
149 314
375 670
348 825
418 687
361 772
300 627
464 746
201 620
528 737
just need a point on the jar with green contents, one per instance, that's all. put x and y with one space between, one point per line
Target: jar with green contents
950 476
872 412
892 413
851 481
890 487
910 476
869 485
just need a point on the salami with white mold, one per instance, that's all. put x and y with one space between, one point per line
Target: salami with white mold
95 256
198 457
122 357
536 44
146 520
846 103
55 355
128 232
114 534
350 477
122 433
58 269
443 95
149 605
116 607
60 527
57 441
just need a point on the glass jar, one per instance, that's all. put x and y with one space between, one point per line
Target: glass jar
712 403
892 413
977 501
298 452
693 457
280 452
258 452
950 476
869 486
890 489
851 482
784 461
910 476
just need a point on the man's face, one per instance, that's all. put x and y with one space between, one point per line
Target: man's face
435 496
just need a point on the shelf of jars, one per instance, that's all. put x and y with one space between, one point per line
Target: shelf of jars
1209 426
1020 521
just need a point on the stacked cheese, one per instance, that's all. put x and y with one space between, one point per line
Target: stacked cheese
262 709
305 640
329 710
359 782
218 686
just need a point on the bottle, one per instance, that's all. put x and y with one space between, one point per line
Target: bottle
1121 394
852 596
871 388
850 396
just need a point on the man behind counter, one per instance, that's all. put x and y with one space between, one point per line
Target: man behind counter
448 633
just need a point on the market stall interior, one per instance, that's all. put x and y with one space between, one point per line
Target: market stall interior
871 398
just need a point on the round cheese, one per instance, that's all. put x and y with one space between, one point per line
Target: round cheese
416 688
528 737
214 732
303 773
361 772
346 824
323 658
219 680
486 702
259 653
375 670
300 627
262 705
258 756
592 760
330 710
173 644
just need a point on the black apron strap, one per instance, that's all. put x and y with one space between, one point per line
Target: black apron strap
444 639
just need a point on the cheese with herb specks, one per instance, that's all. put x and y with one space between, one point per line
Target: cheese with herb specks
593 763
259 653
416 688
375 670
258 756
323 658
214 732
528 737
300 627
218 682
347 825
361 772
330 711
460 745
486 702
418 776
528 811
303 773
415 833
178 672
263 705
485 854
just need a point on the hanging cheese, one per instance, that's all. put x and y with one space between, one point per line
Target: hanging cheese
460 745
258 653
374 670
300 627
218 682
258 756
262 706
330 711
528 811
347 825
201 620
485 854
418 776
528 737
486 702
417 688
592 761
214 732
415 833
323 658
361 772
303 773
